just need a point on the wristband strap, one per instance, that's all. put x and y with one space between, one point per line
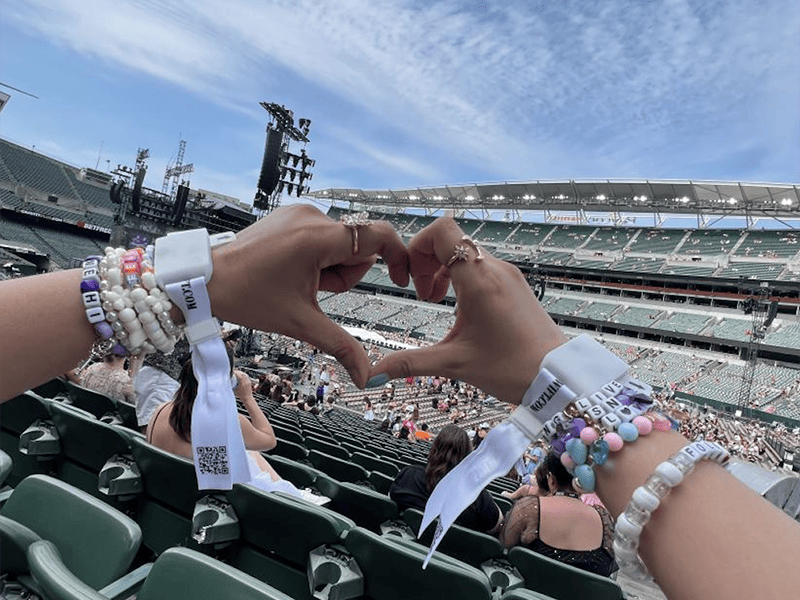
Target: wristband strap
570 372
218 450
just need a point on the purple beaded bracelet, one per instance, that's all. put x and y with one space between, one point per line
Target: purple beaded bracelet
90 293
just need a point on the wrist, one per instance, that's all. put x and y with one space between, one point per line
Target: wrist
624 471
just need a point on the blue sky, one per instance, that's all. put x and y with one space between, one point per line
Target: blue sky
409 93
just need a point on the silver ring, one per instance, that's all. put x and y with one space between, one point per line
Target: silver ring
461 251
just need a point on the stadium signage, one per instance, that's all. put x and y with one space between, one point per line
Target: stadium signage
92 227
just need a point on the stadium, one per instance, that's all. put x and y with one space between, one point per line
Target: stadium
707 314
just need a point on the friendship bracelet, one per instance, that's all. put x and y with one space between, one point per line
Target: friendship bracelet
647 498
128 306
601 423
90 294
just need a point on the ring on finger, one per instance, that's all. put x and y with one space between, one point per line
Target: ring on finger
353 222
461 251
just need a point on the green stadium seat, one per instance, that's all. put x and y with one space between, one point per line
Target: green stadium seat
302 476
86 446
166 506
287 433
354 446
559 580
329 448
380 482
16 415
178 574
504 503
97 542
471 547
524 594
368 508
340 469
51 389
289 450
277 534
372 463
89 400
127 413
393 570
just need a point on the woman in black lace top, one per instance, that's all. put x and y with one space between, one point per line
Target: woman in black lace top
559 525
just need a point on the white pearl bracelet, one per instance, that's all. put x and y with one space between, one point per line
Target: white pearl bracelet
647 498
139 315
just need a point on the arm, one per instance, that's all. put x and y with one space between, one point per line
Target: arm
45 317
712 538
32 309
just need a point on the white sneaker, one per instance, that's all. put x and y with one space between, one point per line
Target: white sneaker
309 496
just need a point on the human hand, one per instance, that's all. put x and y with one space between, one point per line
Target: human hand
501 331
243 382
269 276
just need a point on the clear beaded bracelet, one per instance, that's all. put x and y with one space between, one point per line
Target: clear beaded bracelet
647 498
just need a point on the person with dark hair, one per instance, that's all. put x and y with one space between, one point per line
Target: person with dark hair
557 524
422 433
170 425
414 484
369 413
405 434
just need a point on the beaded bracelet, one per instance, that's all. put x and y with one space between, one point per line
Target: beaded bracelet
586 431
90 294
127 305
647 498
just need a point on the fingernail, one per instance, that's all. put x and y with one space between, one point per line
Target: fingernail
378 380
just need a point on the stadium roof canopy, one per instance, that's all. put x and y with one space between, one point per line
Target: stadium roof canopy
717 197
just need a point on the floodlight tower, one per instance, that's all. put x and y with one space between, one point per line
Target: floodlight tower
174 172
757 306
276 174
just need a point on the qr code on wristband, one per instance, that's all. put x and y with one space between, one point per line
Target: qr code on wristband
213 460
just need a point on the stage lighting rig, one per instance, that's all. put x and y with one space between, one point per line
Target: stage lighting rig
276 173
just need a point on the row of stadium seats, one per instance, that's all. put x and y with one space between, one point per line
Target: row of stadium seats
59 244
49 176
295 546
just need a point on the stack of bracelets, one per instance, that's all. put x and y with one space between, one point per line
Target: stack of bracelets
129 312
588 430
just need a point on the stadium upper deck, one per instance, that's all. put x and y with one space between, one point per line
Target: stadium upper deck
725 254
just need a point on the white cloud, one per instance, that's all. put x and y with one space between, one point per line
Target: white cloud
518 90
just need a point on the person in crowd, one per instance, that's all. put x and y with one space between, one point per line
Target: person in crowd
531 460
500 336
526 489
557 524
411 418
369 414
156 382
110 378
263 387
405 434
414 484
422 433
170 425
480 434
